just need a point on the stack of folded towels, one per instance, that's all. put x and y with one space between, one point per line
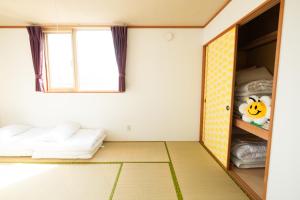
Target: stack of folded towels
252 81
248 151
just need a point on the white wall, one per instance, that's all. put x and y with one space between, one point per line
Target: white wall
161 102
284 177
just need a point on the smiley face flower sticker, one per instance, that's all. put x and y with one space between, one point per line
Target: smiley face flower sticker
256 110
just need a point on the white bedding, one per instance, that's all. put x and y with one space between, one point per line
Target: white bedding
22 144
257 87
69 154
256 163
61 132
83 144
248 149
12 130
83 141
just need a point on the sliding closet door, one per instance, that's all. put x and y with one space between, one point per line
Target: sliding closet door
218 89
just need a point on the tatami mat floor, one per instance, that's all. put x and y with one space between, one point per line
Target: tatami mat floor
145 181
111 152
57 181
199 175
121 171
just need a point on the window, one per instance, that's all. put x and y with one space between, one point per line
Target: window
81 61
60 59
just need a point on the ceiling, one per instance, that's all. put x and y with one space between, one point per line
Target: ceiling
131 12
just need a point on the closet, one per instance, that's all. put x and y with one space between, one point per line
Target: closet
238 96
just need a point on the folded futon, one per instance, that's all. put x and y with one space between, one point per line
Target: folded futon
248 151
65 141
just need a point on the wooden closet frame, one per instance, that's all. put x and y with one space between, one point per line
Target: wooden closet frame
256 12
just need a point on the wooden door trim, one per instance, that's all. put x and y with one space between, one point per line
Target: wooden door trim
220 34
274 90
251 15
232 96
202 94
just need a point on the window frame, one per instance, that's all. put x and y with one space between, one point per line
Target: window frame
73 32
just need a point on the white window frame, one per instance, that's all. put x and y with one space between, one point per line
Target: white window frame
73 32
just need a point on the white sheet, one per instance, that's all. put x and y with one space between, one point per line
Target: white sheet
12 130
22 144
68 154
83 144
61 132
83 140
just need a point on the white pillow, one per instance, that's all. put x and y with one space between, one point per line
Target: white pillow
61 132
252 74
14 129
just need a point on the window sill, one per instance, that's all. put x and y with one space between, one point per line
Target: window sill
92 91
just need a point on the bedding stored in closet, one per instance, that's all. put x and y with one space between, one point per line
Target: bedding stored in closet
248 151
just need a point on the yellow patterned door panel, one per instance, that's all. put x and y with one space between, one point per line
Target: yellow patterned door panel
220 56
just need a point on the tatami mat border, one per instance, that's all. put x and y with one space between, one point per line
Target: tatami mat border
116 182
172 170
175 181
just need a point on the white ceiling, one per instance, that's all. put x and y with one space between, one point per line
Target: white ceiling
131 12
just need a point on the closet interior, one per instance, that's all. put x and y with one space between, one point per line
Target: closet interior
254 84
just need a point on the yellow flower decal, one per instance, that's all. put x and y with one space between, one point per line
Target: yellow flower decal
256 110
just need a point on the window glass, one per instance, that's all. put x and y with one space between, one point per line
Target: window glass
60 60
96 62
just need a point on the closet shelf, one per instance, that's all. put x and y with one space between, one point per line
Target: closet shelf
259 132
261 41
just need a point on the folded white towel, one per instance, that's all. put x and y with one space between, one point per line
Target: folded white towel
258 87
248 148
255 163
